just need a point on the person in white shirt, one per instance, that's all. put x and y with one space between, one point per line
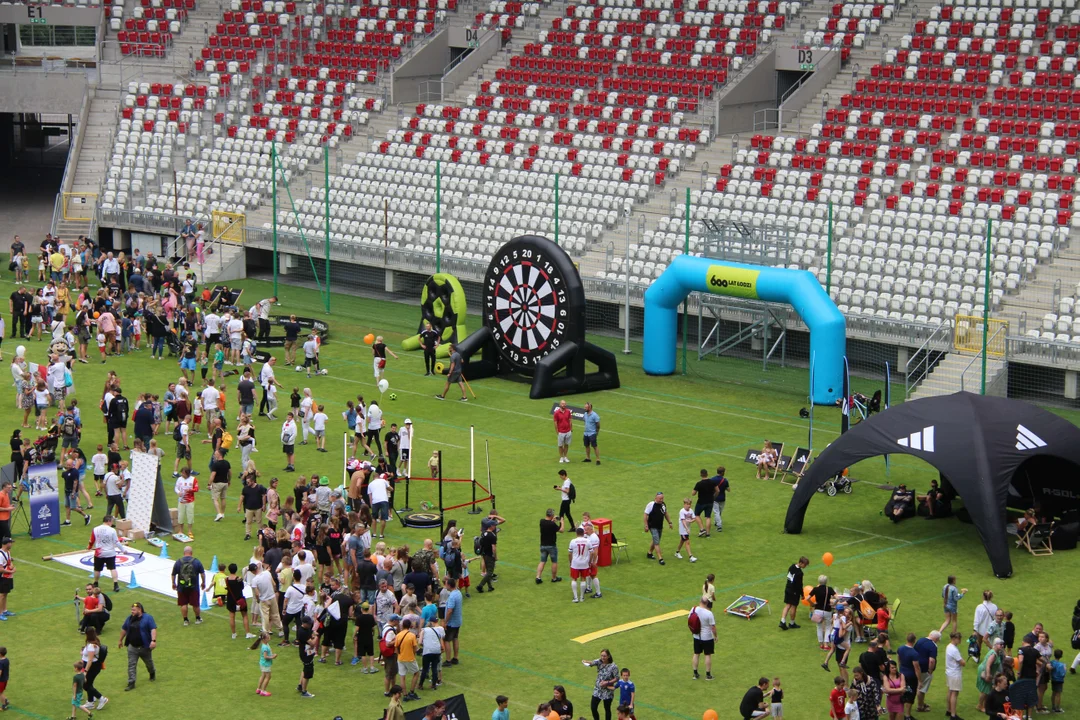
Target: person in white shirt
55 375
211 329
288 441
294 604
211 397
99 462
311 356
984 618
106 546
262 590
110 268
954 672
318 425
267 380
851 707
580 564
114 494
185 488
307 413
687 517
431 640
405 438
592 582
183 445
261 310
374 426
236 339
379 496
705 640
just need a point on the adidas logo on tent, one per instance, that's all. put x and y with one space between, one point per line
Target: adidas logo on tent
1027 440
920 440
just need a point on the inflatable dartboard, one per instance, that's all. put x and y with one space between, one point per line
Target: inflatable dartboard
533 301
444 305
534 323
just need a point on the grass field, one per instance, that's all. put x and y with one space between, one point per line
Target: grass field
656 434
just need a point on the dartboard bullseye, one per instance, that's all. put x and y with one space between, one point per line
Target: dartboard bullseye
527 303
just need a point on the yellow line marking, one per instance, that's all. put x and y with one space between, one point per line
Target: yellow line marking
630 626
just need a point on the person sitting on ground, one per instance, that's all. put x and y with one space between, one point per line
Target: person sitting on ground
935 503
901 505
766 461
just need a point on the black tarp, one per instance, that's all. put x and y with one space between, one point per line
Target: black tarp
987 449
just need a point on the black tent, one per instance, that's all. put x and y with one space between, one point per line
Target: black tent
994 451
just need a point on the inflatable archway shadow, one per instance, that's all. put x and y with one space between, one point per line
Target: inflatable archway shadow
798 288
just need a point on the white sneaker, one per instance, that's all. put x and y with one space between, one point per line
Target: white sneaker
576 600
281 633
693 559
249 636
678 555
234 636
102 702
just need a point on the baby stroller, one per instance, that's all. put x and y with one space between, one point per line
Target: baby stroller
156 326
839 483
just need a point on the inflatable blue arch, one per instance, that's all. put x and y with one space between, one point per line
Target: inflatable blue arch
797 288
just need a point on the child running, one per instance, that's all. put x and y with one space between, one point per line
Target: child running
266 662
77 684
687 518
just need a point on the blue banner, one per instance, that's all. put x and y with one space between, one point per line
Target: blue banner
42 481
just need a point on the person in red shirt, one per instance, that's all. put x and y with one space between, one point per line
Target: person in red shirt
837 699
563 427
94 612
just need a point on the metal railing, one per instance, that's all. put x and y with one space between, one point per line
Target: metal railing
976 384
74 149
926 357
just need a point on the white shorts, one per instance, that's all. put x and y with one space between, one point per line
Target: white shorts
564 439
375 366
954 683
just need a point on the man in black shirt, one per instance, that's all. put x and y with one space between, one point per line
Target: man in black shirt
1024 692
704 492
71 493
118 419
220 476
17 246
429 340
874 661
365 576
793 592
488 551
144 422
252 502
245 393
753 702
655 515
304 635
393 443
292 332
19 305
549 529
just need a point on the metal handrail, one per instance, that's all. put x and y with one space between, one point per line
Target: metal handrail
979 355
918 366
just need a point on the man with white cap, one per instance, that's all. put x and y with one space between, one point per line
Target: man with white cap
405 438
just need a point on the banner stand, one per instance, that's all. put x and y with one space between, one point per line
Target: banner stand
43 484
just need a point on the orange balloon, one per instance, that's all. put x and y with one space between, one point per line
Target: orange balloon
710 714
827 558
369 338
806 595
97 315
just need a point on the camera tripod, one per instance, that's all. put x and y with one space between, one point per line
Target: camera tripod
20 511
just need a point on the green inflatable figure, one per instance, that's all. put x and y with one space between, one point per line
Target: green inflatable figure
443 304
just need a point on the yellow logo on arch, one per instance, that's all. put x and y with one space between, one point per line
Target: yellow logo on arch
733 282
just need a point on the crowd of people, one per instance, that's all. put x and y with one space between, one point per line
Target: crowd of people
321 578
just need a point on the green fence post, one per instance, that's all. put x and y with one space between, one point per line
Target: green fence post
828 255
986 303
326 204
556 208
273 206
686 303
438 216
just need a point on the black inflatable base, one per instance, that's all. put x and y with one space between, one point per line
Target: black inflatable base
560 372
420 518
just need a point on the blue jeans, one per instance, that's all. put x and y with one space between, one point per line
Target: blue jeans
158 350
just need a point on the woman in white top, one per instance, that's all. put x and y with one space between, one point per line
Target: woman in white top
984 618
92 656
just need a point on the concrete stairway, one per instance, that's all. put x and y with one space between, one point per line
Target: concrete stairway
956 372
1039 294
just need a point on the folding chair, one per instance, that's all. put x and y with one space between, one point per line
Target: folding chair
1038 539
796 466
621 548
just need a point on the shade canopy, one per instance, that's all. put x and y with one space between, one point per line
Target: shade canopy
994 451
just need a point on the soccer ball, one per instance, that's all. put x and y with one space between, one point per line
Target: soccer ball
323 372
393 396
299 368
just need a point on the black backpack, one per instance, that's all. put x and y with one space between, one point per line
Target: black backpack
67 427
119 406
476 544
572 493
185 578
102 654
176 434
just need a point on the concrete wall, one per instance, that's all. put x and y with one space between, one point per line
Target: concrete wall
22 14
755 90
489 44
38 92
823 74
427 64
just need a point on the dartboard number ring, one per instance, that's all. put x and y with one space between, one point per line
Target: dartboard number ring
526 305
